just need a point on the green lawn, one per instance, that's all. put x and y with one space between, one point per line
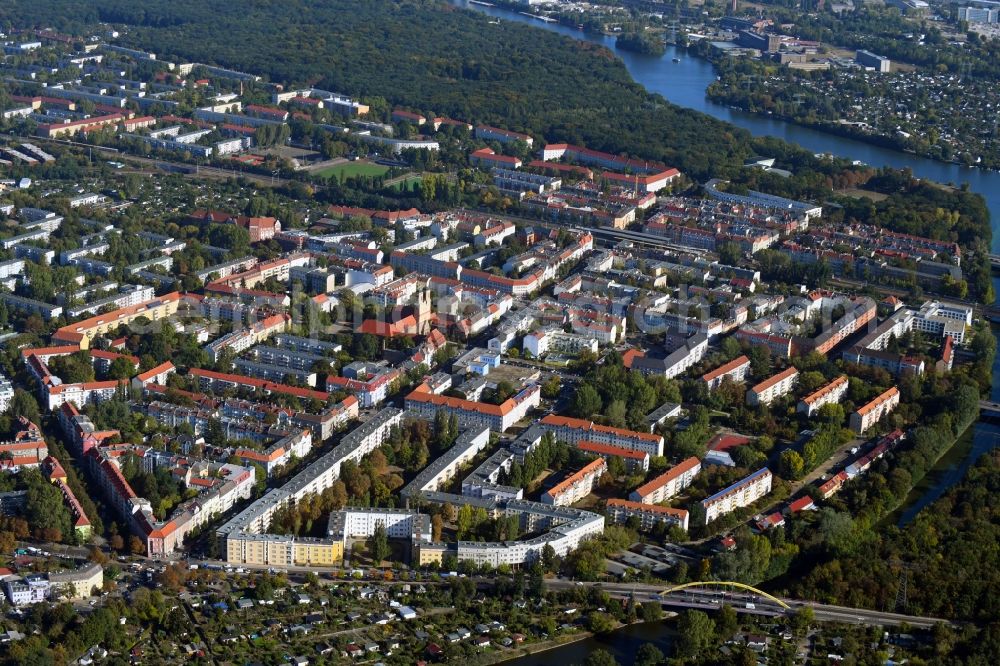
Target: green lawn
351 169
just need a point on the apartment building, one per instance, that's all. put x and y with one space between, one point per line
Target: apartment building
736 370
649 515
128 296
82 333
496 417
470 443
219 381
554 340
828 394
668 484
296 444
361 523
242 339
27 449
487 133
576 486
635 461
565 528
773 387
868 415
79 583
738 495
573 431
944 319
32 589
486 157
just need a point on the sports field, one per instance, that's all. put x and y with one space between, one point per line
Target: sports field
352 169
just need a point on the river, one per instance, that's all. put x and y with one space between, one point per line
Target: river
623 644
684 84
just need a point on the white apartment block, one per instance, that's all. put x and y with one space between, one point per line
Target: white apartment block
829 394
736 370
469 444
740 494
573 431
543 342
6 393
577 486
649 515
24 591
938 318
868 415
668 484
773 388
360 523
567 528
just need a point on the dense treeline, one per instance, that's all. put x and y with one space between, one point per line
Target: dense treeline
850 556
949 553
641 43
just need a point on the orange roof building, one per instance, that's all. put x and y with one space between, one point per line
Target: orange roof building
831 393
736 370
634 460
868 415
668 484
575 487
773 387
573 431
82 333
649 515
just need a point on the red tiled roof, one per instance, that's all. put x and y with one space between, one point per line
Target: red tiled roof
774 379
726 368
825 390
610 450
582 424
883 397
588 469
674 472
652 508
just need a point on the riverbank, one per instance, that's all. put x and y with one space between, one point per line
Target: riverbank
916 499
832 127
623 643
534 649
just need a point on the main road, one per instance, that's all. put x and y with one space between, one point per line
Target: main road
749 603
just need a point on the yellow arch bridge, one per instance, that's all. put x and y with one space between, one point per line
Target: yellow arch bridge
728 583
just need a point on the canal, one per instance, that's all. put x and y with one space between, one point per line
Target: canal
951 468
684 84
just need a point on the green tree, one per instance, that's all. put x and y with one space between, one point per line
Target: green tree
649 655
24 404
600 623
121 368
651 611
586 402
696 634
727 623
378 543
600 657
791 465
